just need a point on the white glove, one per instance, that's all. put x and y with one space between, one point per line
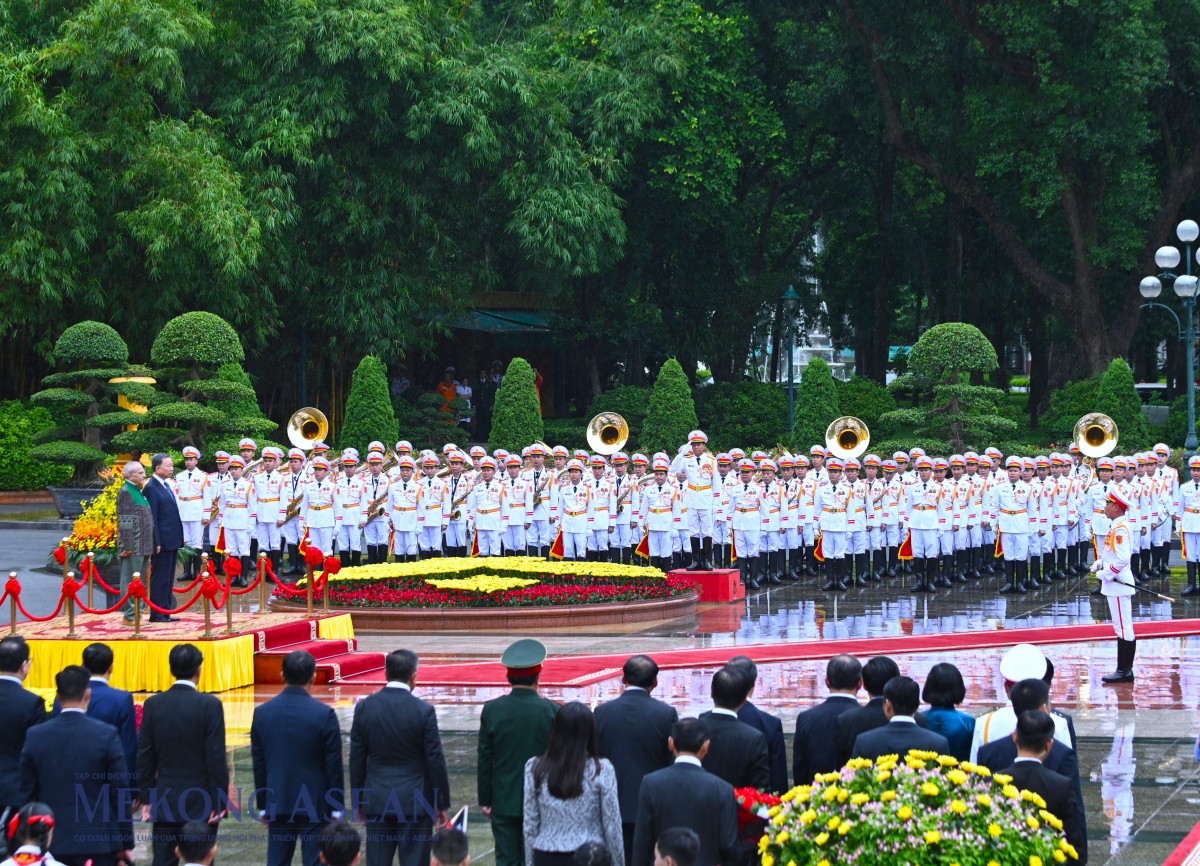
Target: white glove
1096 566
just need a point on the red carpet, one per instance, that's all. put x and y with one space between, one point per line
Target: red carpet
1188 851
586 669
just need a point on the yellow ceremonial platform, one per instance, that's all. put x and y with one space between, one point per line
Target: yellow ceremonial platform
140 663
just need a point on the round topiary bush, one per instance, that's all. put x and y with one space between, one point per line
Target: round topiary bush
196 338
672 412
816 406
92 344
369 413
1117 397
517 418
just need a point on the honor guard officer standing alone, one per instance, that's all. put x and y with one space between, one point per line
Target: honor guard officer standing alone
1009 506
1189 524
1116 583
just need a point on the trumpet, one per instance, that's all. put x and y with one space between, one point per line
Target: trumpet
847 437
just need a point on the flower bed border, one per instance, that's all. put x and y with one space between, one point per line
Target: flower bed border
506 619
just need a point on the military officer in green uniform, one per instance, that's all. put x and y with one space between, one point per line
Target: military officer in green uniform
513 729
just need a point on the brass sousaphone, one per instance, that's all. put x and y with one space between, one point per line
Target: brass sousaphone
306 427
607 433
1096 436
847 437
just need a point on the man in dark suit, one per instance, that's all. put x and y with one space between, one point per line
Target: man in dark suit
1032 695
20 710
771 726
1034 737
296 749
686 795
901 697
737 752
168 535
875 675
182 768
632 732
75 765
396 761
512 729
813 749
1048 678
113 706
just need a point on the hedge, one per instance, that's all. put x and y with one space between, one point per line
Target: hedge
866 399
816 406
20 423
517 416
746 415
672 412
369 413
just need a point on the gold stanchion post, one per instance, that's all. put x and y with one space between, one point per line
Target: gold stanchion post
262 583
70 609
309 587
137 611
12 607
207 619
325 594
91 580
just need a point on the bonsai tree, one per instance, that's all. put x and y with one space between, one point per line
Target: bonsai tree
426 424
188 354
89 354
672 412
242 414
517 416
369 412
1117 398
816 405
941 365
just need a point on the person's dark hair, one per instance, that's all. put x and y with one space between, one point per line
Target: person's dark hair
98 658
339 843
746 664
681 844
729 688
1048 676
401 665
157 460
904 695
572 744
1034 730
876 673
14 652
592 854
641 671
196 840
185 660
844 672
299 667
522 679
34 823
689 735
450 847
1028 695
944 686
71 682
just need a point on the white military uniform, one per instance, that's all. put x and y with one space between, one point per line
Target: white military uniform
404 514
699 498
268 493
237 515
429 531
662 512
518 503
571 510
539 534
350 505
485 503
189 496
319 513
376 489
456 489
602 506
1116 578
1188 515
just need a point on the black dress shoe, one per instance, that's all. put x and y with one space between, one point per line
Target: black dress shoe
164 619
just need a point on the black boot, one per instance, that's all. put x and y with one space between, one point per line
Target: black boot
775 566
1135 568
893 560
976 562
960 561
810 560
879 560
355 558
344 558
1124 671
921 569
1009 577
831 580
754 570
1022 577
1034 567
1192 589
695 564
241 581
860 569
942 573
293 561
933 565
706 553
276 557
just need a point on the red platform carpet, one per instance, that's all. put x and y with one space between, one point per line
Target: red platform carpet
1188 851
586 669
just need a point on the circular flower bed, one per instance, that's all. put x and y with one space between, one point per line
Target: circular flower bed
516 581
927 809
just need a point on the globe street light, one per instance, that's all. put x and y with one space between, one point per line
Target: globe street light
791 300
1185 286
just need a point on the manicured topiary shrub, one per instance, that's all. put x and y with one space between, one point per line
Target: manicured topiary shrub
369 413
1117 398
517 417
196 339
816 406
631 402
672 412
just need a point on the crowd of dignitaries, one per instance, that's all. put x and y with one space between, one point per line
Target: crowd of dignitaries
626 779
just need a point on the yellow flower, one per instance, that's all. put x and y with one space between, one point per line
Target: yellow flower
982 771
1035 860
843 796
932 837
1011 792
904 813
883 775
804 795
845 828
984 800
957 776
782 837
768 860
958 807
773 811
929 789
833 822
831 793
831 777
914 763
1002 779
887 796
484 583
1059 856
808 816
860 798
995 831
822 838
1069 848
1033 822
947 760
779 820
1051 819
822 863
764 842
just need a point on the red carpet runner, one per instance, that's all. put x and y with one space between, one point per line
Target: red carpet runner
1188 852
586 669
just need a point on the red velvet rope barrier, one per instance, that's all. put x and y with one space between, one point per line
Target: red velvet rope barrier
13 588
89 566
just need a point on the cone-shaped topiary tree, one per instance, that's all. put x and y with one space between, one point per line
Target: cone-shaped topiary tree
517 418
369 412
672 412
816 406
89 355
1117 398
